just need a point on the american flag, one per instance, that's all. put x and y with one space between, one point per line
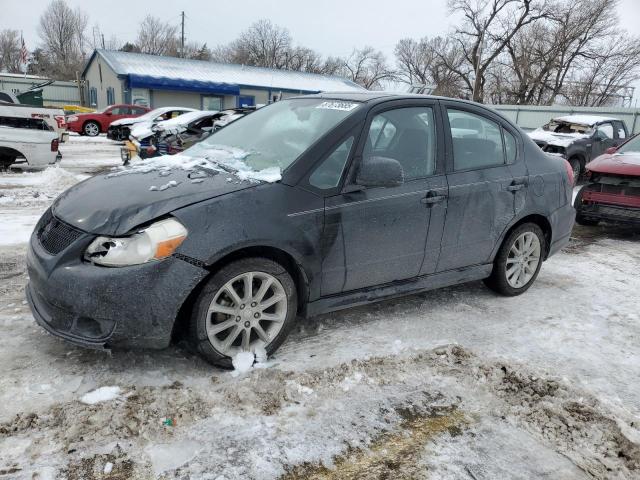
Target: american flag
23 51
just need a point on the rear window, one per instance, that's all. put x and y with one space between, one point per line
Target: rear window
21 122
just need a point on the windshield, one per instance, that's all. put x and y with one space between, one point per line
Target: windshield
632 146
565 127
275 136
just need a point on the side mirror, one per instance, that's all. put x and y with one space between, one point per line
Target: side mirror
380 172
611 150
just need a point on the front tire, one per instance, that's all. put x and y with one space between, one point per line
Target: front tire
518 261
247 305
576 166
91 129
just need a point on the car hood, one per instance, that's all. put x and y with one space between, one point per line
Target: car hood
617 164
117 202
142 130
555 139
125 121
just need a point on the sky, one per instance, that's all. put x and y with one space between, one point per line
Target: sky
332 27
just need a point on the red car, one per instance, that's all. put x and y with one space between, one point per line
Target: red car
613 191
92 124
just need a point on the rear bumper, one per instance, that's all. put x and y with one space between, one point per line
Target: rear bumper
562 221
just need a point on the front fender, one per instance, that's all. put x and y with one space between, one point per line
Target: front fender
263 217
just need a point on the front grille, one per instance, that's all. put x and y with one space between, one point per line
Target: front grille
619 212
54 235
620 189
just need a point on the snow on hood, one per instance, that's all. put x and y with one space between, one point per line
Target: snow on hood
218 158
149 116
556 139
142 130
183 120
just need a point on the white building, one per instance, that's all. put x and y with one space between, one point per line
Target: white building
113 77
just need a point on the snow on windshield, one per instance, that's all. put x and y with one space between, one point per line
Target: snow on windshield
217 158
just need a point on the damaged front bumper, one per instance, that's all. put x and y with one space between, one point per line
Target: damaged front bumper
102 307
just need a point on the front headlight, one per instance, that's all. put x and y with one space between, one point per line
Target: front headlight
155 242
72 118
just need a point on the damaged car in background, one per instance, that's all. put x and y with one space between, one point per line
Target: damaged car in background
613 189
580 138
121 129
177 134
309 205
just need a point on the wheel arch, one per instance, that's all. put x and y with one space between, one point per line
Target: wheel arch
10 152
284 258
536 218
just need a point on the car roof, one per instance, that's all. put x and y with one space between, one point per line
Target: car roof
377 96
589 120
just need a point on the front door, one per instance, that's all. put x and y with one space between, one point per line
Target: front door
603 138
381 234
487 185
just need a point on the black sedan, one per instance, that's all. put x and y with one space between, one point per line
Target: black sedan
309 205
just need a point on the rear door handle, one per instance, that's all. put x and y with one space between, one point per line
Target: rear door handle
514 187
433 199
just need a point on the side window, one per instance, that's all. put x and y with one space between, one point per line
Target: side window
620 129
407 135
111 96
328 174
477 141
510 146
138 111
605 131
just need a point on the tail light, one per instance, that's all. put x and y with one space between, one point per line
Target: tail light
60 120
567 165
54 144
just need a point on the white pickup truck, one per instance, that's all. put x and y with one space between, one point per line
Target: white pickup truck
26 139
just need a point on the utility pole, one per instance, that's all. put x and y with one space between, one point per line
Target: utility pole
182 38
102 34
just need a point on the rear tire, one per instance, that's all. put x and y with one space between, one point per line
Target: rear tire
580 219
513 273
91 129
5 162
245 316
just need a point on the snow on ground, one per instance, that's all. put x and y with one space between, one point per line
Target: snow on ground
452 384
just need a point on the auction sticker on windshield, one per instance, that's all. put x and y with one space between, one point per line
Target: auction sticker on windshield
335 105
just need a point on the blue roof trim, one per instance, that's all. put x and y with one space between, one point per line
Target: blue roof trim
197 86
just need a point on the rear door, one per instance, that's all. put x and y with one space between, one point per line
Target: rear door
487 184
378 235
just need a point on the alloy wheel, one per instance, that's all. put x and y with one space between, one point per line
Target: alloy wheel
248 312
523 259
91 129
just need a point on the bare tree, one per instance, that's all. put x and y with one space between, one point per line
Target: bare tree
10 51
367 67
487 28
263 44
62 31
421 63
156 37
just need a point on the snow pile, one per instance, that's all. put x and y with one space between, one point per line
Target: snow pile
242 362
102 394
218 158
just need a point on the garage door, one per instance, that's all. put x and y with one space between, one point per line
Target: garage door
168 98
